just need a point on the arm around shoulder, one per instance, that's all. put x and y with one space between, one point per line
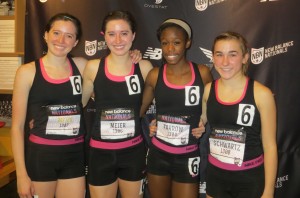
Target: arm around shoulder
89 75
148 94
80 63
145 67
205 74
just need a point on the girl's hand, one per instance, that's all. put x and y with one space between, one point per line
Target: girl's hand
135 55
197 132
25 187
152 128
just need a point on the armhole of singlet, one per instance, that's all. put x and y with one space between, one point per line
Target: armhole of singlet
114 77
234 102
51 80
168 84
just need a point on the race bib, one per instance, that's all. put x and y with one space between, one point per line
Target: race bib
228 145
173 129
117 123
63 120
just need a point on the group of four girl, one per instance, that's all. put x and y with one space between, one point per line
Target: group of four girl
48 129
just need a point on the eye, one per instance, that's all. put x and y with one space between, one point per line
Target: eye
111 34
55 32
70 36
124 33
234 54
218 54
177 42
163 43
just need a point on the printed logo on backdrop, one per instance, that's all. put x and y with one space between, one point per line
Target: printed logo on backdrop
91 47
208 54
202 5
156 4
154 54
281 180
267 0
258 55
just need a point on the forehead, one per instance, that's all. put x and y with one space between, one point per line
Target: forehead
227 45
117 23
64 26
173 31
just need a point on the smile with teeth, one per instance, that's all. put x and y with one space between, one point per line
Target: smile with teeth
171 56
119 46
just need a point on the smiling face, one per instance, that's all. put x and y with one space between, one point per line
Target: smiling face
61 38
228 58
118 36
174 44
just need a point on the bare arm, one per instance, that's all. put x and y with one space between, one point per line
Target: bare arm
80 63
204 103
267 108
145 66
22 85
148 94
89 75
205 74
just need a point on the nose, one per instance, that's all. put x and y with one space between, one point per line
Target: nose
118 38
62 38
225 60
170 47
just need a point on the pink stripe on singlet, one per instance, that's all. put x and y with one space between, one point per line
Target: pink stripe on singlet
174 150
116 145
114 77
178 86
51 80
40 140
233 167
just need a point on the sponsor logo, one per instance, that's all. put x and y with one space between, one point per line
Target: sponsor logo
102 45
154 54
202 188
157 5
281 180
91 47
202 5
267 0
209 55
258 55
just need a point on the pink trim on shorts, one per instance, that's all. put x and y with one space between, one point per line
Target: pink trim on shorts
116 145
174 150
178 86
40 140
233 167
51 80
114 77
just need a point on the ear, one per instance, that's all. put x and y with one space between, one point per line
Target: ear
45 36
133 36
76 42
245 58
188 43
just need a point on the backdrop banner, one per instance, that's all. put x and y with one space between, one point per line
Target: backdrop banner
270 26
